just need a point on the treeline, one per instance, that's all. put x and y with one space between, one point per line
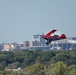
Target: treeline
47 60
58 68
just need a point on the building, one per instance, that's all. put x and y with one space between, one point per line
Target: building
38 40
1 47
10 47
39 48
24 45
39 43
67 44
7 47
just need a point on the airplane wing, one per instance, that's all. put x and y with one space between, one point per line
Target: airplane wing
51 32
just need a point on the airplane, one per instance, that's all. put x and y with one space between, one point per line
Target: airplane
49 37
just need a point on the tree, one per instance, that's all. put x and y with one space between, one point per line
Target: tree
61 68
58 69
34 69
73 71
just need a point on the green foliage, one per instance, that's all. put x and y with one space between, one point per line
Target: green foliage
25 58
58 69
34 69
73 71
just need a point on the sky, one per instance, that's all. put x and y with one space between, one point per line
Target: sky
21 19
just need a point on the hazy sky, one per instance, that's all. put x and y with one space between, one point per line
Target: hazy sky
21 19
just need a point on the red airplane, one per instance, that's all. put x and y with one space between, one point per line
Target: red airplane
51 38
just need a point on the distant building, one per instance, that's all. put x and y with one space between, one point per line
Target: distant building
10 47
39 43
1 46
34 43
15 46
24 44
39 48
63 44
7 47
39 40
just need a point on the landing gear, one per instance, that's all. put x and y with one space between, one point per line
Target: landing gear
48 41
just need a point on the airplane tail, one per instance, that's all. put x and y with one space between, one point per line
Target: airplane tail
63 36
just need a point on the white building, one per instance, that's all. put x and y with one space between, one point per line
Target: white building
38 40
10 47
